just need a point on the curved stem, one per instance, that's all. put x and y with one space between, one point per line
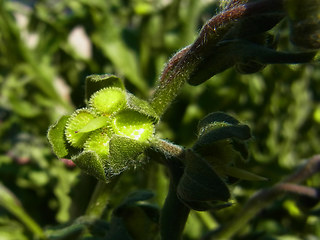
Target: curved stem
174 213
185 62
100 198
264 197
174 216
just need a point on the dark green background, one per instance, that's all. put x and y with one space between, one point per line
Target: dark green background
42 74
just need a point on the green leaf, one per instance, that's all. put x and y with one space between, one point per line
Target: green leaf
199 183
219 126
57 138
241 132
9 201
91 163
243 174
216 117
239 51
110 40
24 108
97 82
11 229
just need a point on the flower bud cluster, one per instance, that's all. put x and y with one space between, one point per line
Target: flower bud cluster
106 137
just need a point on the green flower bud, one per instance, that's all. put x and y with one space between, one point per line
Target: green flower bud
75 123
108 100
112 133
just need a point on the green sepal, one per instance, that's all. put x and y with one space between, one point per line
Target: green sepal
133 125
200 185
78 120
98 141
123 154
94 124
96 82
91 163
57 138
108 101
141 106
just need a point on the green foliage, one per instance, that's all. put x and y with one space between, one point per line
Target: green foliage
43 77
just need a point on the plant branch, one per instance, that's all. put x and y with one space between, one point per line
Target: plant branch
264 197
100 198
311 167
174 215
181 65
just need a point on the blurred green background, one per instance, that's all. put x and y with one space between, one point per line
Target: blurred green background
48 47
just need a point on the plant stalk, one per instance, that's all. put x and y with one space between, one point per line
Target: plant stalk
264 197
100 198
185 62
174 216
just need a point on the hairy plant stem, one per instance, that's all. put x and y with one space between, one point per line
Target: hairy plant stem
174 216
182 64
100 198
99 201
174 213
